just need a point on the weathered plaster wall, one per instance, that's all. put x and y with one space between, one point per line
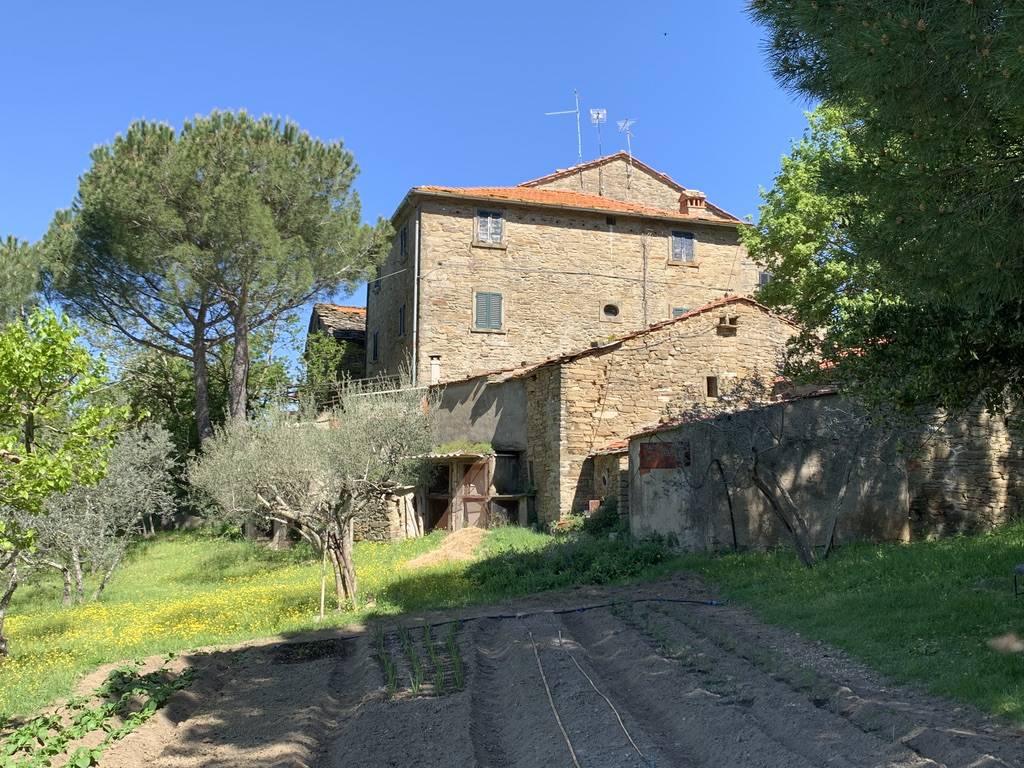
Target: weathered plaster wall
690 505
478 411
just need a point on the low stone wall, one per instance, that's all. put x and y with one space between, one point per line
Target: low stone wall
691 484
392 521
956 475
967 474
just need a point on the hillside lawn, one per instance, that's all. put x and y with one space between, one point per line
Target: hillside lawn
923 612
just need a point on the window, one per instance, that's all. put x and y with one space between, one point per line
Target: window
712 386
682 248
401 320
375 348
403 241
489 226
376 282
610 221
763 278
679 311
610 311
488 312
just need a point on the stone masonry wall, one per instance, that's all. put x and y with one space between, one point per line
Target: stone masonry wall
621 390
615 181
383 303
556 271
967 475
544 414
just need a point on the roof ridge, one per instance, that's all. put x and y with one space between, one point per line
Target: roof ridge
562 172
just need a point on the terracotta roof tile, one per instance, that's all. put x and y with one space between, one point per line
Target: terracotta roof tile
560 198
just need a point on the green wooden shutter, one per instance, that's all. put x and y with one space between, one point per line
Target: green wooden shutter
488 311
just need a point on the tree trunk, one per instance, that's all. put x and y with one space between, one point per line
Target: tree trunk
201 379
728 499
279 538
5 602
345 584
238 387
106 579
76 562
840 501
784 508
65 598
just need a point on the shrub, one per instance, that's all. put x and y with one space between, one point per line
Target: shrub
581 560
605 519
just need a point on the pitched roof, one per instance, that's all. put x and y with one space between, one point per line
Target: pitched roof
604 160
561 198
341 322
524 369
624 156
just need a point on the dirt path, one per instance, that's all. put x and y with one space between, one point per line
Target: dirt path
644 682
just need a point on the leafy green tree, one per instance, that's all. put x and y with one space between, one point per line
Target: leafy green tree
52 433
183 241
925 192
20 277
800 236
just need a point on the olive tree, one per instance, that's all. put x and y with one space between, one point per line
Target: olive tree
319 474
90 527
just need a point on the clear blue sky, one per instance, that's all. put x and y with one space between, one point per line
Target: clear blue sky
422 93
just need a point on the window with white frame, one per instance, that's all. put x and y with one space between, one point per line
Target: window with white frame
763 278
682 248
487 312
490 227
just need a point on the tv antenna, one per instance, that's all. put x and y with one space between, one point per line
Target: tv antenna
598 117
626 127
579 136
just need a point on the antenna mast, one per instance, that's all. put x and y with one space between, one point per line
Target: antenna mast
597 117
579 135
626 127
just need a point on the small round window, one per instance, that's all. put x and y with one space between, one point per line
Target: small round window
611 311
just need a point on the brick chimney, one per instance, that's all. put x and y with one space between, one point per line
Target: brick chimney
692 202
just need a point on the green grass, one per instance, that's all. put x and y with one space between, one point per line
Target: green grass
920 612
183 591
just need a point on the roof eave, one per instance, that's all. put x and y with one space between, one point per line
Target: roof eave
418 191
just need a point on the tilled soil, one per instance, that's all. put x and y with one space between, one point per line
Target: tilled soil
643 680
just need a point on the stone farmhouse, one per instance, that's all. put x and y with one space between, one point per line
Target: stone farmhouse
551 319
481 278
550 422
347 326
